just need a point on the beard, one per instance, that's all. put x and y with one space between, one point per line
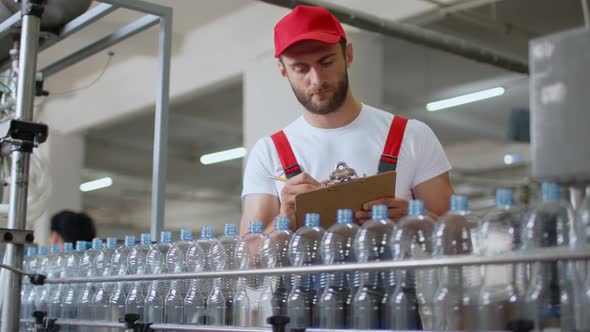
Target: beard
337 99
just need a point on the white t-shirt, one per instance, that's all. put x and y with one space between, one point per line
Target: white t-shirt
359 144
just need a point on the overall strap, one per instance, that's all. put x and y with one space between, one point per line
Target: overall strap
388 161
288 160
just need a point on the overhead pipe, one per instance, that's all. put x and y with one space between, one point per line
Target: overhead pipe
416 35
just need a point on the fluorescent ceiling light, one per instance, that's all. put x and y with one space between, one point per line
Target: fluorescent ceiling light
465 99
96 184
513 158
222 156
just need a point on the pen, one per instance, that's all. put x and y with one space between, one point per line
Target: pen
278 178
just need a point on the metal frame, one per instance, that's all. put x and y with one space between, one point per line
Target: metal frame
29 49
529 256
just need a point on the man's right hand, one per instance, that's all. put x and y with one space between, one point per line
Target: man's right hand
296 185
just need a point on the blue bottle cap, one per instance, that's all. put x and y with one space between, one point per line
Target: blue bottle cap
186 234
206 232
96 244
504 197
550 191
68 247
43 251
312 220
459 203
145 239
230 229
112 242
416 207
54 249
166 237
80 246
256 227
31 251
379 212
282 224
129 240
344 216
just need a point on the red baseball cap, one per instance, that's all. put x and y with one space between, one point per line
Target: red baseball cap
307 23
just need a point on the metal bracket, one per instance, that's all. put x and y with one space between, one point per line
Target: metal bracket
25 135
16 236
33 7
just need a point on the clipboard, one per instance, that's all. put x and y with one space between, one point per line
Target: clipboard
349 195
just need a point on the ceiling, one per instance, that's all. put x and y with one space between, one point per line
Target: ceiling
210 121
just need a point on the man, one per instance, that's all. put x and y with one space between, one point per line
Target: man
314 55
70 226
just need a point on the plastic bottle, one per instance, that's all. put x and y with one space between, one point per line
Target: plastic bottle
119 267
157 290
304 250
176 258
206 241
69 306
410 306
255 251
194 301
28 290
282 284
229 240
88 269
455 300
549 224
136 264
41 299
501 298
55 310
102 265
372 245
215 303
335 309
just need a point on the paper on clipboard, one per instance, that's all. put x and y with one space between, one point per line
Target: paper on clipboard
349 195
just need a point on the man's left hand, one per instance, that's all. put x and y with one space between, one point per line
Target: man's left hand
397 208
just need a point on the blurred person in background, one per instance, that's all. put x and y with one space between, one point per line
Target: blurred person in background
70 226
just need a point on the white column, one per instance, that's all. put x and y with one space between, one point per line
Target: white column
269 102
64 155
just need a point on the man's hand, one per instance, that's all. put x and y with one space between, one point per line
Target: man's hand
397 208
296 185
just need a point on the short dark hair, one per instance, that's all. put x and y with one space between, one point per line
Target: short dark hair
73 226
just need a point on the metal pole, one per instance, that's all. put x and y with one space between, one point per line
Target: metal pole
17 213
160 156
415 35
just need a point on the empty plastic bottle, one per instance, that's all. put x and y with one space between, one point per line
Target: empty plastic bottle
176 258
372 245
305 250
136 264
282 284
229 240
255 251
455 300
410 305
501 298
69 305
206 241
119 267
215 303
57 291
157 290
194 301
88 269
102 266
337 248
28 290
549 225
41 298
